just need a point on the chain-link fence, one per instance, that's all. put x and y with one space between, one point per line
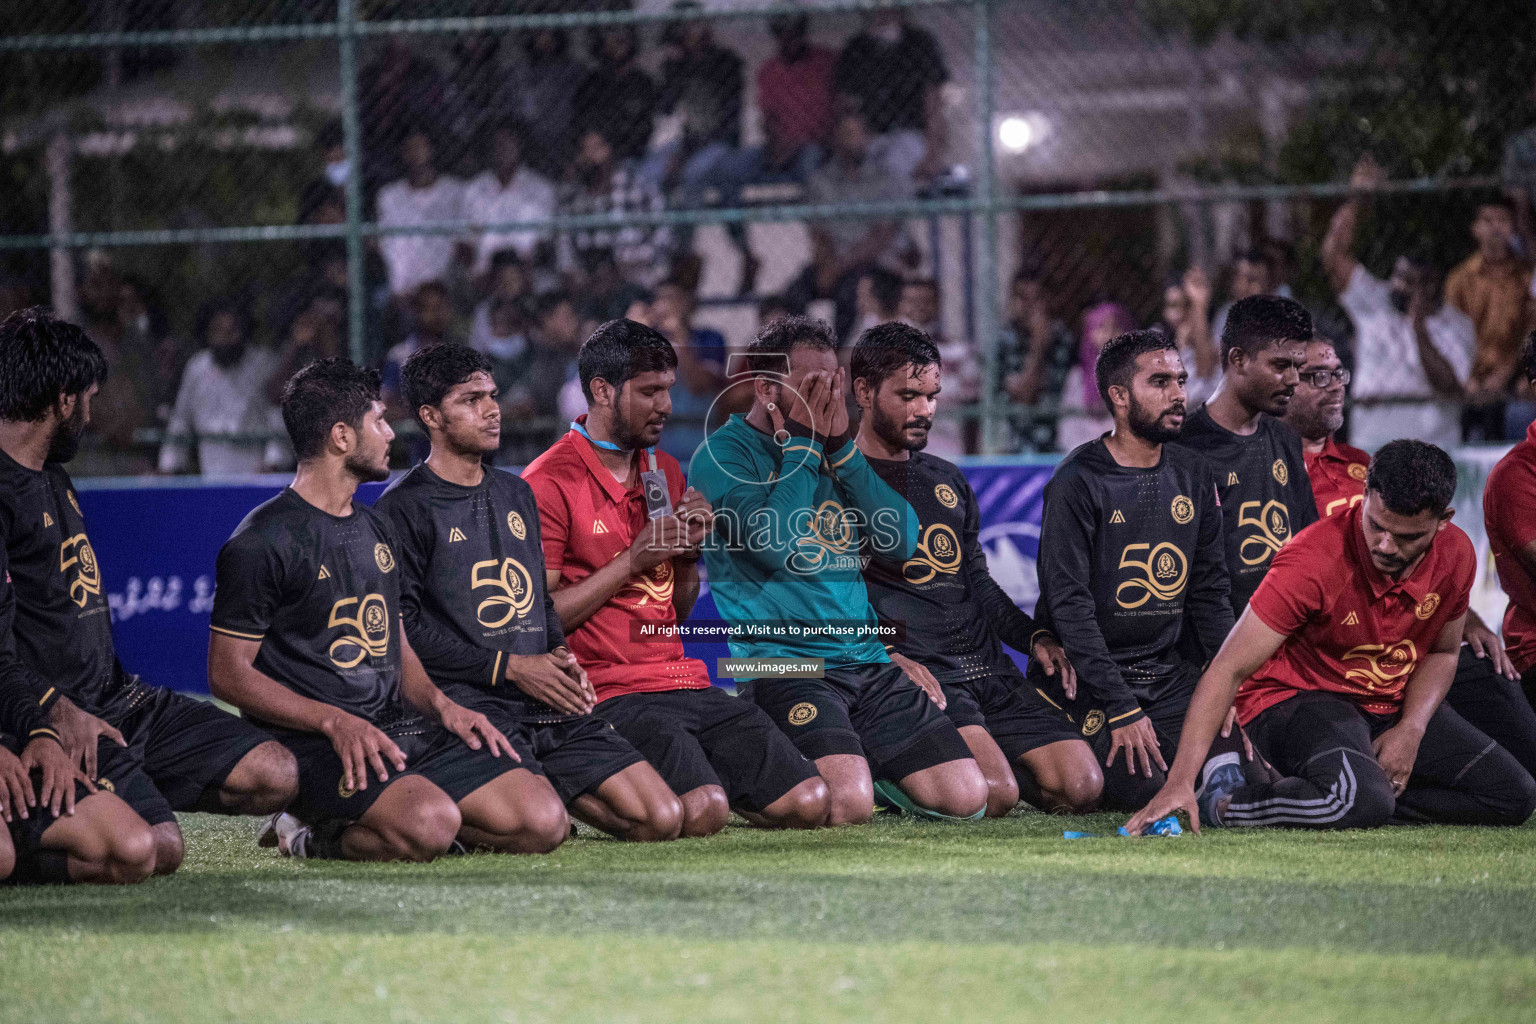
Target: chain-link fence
221 192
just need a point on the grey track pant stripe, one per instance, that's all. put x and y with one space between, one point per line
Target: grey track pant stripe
1338 802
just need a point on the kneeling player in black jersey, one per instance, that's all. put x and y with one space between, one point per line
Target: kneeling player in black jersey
161 751
1131 555
1261 471
951 616
307 639
62 826
475 604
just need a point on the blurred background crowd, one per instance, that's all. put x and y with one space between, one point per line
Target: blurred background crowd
1150 163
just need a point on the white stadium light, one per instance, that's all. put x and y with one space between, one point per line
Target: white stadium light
1015 134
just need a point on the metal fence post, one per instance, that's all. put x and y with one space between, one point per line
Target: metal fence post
993 432
351 128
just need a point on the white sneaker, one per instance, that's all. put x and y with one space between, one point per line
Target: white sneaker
287 833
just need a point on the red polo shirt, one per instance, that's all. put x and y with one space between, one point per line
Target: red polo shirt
1351 630
588 519
795 100
1338 476
1509 516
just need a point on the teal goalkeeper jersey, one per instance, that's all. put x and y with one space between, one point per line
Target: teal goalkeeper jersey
792 527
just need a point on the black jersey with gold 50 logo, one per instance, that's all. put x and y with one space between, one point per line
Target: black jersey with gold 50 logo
63 628
322 595
1129 557
1266 497
472 588
952 614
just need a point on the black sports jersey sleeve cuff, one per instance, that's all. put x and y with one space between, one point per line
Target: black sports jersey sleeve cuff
835 447
49 698
239 634
1118 716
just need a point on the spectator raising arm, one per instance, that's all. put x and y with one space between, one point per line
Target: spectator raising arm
1339 244
1437 369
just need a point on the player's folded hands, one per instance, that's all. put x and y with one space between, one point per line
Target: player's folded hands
15 788
553 678
56 790
659 540
360 744
476 731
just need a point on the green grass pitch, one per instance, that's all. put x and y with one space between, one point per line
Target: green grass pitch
897 921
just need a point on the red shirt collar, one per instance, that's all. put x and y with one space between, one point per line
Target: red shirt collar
617 492
1415 585
1530 433
1331 451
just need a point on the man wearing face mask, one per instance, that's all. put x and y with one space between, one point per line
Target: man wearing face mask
893 73
602 184
1413 351
621 539
222 405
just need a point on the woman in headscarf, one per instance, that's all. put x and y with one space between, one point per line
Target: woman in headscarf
1083 415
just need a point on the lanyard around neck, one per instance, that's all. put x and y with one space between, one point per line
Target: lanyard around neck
581 428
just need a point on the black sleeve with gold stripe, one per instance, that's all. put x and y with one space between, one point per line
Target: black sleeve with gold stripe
24 699
248 586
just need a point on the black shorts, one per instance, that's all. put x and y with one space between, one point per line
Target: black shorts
117 771
186 746
871 710
1014 713
431 751
576 755
706 737
1165 709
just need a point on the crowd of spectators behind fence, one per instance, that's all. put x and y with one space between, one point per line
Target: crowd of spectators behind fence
547 131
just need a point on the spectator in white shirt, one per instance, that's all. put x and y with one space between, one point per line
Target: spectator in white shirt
1413 351
223 392
422 197
949 437
508 192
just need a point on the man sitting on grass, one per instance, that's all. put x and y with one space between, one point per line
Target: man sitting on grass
1340 666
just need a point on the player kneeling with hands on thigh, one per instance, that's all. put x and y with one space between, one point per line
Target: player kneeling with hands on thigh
1339 668
307 639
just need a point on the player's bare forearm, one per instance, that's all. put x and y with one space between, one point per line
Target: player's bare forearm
685 588
1437 369
1339 243
234 678
1430 683
1248 646
575 603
